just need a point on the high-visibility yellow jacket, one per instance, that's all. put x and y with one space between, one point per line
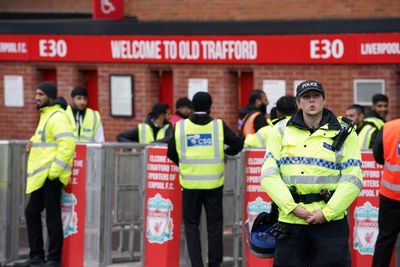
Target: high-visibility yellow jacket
89 127
307 161
146 135
259 139
372 125
201 154
53 148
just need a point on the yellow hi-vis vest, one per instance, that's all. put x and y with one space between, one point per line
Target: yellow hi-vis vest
372 125
257 140
146 133
308 162
201 154
89 126
53 148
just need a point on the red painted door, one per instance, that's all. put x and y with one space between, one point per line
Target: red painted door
49 75
166 89
246 86
90 78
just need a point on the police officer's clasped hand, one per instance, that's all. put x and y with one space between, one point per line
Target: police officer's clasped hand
316 217
301 213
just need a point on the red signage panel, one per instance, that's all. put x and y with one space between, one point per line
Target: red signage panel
163 210
255 200
73 208
270 49
108 9
363 214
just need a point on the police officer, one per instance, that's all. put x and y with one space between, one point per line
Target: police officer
387 153
285 106
86 122
198 149
156 127
374 122
313 179
52 148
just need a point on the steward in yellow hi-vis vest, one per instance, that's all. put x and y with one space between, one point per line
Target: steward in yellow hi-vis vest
52 149
197 147
285 106
373 123
387 153
156 128
312 171
85 122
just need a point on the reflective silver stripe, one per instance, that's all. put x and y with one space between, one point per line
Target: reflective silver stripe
261 139
270 171
43 168
352 179
61 135
201 161
44 127
94 122
62 164
216 160
311 179
143 130
392 167
202 177
366 137
85 138
282 126
44 145
390 186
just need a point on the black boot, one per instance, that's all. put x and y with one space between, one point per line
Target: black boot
31 262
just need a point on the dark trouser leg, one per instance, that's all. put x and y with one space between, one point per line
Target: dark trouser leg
191 208
389 227
34 223
292 246
213 206
330 243
52 197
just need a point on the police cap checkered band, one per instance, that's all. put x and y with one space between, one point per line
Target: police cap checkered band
309 85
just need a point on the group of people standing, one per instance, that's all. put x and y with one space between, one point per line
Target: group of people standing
311 170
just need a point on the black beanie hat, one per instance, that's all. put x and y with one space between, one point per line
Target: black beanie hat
183 102
202 101
79 91
49 88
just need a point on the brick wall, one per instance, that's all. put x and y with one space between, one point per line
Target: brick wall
150 10
20 123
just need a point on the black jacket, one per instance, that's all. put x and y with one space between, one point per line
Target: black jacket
233 141
378 147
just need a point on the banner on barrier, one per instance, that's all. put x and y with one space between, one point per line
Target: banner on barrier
363 215
73 202
162 210
255 200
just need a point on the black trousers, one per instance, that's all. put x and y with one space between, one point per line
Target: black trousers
47 197
192 202
389 228
317 245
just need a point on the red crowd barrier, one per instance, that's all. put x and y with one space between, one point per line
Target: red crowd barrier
73 208
162 210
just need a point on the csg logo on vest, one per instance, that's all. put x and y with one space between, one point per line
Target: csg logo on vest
199 140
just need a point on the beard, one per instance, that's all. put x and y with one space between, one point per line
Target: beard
42 105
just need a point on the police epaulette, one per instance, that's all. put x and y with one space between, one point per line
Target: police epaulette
346 120
275 121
